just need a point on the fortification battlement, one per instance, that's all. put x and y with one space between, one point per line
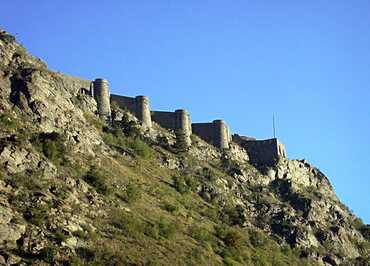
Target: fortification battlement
179 121
216 133
262 152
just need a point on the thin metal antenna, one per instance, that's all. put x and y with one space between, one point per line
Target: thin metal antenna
273 125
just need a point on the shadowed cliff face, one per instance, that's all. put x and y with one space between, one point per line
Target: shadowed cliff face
73 190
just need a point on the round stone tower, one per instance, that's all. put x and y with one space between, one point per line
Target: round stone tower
221 134
102 97
183 127
143 111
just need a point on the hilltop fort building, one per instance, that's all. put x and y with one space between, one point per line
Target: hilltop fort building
217 132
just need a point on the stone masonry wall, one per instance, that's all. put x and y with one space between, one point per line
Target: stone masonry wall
204 131
262 152
164 119
124 102
179 121
139 106
216 133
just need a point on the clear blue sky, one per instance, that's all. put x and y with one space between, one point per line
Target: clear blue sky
306 61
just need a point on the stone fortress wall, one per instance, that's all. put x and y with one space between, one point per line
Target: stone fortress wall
179 121
261 152
139 106
217 132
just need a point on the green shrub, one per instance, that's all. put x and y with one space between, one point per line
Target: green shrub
199 233
185 184
236 256
180 184
152 230
107 252
129 127
363 247
97 179
257 238
48 254
201 255
113 141
116 139
51 145
7 122
81 234
260 258
233 215
163 229
27 180
192 183
357 223
163 141
208 174
221 231
141 148
132 193
171 208
86 253
365 231
232 237
211 213
230 166
131 225
166 228
61 192
37 214
50 150
75 261
94 121
181 145
230 262
22 52
60 236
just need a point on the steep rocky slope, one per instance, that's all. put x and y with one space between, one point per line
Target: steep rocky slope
74 191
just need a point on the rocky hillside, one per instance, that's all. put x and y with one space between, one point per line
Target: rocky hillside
76 191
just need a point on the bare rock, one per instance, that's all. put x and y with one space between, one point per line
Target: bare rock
33 241
10 230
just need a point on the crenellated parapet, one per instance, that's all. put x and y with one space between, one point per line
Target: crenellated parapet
216 133
139 106
179 121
